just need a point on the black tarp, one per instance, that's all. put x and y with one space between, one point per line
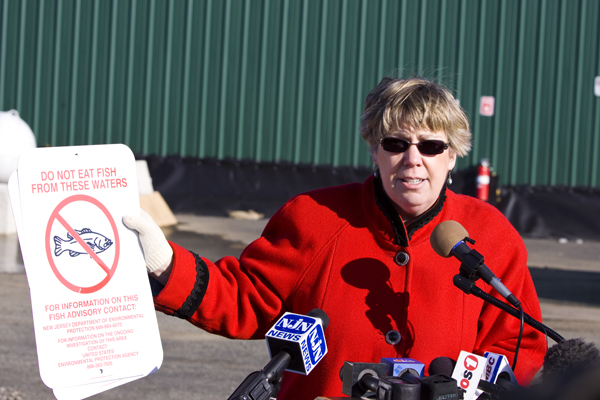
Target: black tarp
553 211
212 187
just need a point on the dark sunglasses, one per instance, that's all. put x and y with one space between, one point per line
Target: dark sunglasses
426 147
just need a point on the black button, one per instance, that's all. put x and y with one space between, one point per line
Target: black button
402 258
393 337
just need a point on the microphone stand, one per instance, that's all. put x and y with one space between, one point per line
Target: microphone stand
469 287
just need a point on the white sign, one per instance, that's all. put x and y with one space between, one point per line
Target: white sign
597 86
94 318
486 106
74 392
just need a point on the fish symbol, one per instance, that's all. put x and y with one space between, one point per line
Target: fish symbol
97 242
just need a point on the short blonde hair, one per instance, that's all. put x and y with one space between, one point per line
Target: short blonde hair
417 103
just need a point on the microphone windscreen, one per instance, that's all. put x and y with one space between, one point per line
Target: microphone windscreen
322 315
442 366
570 357
445 236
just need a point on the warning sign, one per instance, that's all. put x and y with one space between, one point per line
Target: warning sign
65 243
93 314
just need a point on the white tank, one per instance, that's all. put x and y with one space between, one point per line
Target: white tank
15 137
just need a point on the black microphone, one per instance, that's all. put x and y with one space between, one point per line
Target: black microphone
568 358
448 239
370 379
359 378
442 366
571 370
296 343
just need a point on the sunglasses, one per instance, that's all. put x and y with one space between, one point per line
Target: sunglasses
426 147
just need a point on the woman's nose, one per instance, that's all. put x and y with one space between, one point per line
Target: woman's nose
412 156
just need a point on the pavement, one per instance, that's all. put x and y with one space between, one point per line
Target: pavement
199 365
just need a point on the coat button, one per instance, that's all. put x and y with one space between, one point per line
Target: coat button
393 337
402 258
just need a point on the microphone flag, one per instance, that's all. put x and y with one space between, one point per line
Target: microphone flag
399 366
302 337
497 365
468 371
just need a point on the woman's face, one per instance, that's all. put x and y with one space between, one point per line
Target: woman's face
411 180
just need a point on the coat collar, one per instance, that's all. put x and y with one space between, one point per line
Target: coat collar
402 233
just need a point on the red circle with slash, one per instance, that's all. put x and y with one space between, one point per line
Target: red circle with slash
55 216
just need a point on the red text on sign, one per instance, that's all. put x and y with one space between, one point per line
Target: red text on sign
44 188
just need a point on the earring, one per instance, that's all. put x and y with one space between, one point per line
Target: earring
450 177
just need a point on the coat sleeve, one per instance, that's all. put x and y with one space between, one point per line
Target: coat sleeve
498 331
242 298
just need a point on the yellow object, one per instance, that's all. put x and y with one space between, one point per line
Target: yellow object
159 210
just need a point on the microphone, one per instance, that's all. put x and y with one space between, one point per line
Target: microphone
569 358
401 366
467 372
362 380
296 343
302 337
501 385
498 377
448 239
403 380
498 370
359 378
571 370
442 366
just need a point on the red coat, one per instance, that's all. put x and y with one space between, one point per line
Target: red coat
334 249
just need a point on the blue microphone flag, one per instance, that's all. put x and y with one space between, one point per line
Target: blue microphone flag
300 335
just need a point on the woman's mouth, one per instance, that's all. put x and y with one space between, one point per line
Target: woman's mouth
412 181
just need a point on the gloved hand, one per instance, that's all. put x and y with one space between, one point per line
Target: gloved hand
157 252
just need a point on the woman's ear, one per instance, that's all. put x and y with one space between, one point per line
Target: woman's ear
374 156
451 159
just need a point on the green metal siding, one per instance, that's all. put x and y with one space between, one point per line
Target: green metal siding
285 80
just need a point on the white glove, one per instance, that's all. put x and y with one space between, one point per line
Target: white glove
157 252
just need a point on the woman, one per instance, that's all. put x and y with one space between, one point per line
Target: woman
361 253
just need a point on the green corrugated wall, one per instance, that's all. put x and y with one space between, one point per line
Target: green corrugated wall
285 80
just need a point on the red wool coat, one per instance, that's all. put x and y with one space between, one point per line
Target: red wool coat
335 249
